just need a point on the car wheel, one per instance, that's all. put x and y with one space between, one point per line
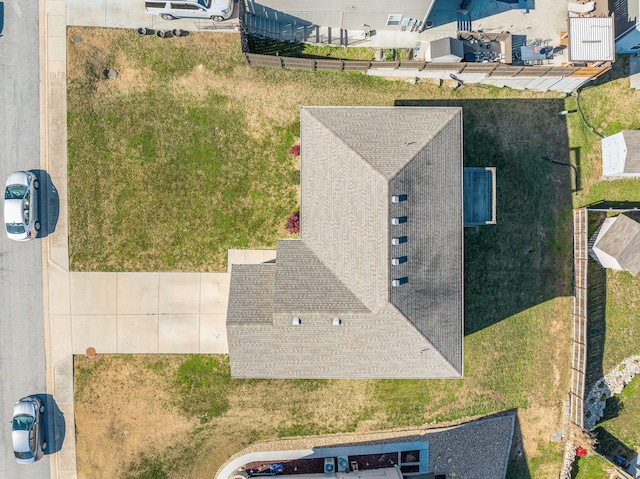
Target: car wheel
41 409
36 184
217 18
166 16
36 226
44 446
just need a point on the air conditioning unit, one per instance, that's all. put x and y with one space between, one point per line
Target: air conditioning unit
343 463
329 465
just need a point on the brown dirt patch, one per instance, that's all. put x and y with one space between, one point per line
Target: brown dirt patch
120 414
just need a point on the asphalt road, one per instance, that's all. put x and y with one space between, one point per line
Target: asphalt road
22 369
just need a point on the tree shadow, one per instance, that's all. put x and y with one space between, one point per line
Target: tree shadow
525 259
609 446
614 205
54 425
48 204
614 406
574 154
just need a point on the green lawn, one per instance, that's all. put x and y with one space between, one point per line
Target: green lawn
591 466
619 430
186 154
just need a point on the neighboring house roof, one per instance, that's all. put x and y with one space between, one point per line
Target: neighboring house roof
591 39
347 14
447 49
621 154
353 161
620 241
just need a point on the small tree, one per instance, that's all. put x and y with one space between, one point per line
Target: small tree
293 222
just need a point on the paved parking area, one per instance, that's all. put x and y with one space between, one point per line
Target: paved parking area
131 14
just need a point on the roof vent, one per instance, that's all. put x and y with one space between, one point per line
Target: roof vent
399 281
399 260
398 240
296 321
398 198
337 321
398 220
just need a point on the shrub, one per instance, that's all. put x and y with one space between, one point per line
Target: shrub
293 222
295 150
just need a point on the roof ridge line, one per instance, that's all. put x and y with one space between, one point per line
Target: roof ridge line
433 348
434 133
343 142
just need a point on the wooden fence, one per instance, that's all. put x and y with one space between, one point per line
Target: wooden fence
495 69
579 335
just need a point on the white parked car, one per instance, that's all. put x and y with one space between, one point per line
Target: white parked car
21 206
216 10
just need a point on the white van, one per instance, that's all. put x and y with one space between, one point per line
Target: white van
216 10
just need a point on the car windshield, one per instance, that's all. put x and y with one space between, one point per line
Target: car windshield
205 3
22 422
13 192
15 228
23 454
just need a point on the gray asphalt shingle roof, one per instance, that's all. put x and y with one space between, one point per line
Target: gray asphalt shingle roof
353 160
446 46
622 242
632 142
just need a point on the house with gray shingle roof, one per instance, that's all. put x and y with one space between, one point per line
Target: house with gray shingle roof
616 244
621 154
373 288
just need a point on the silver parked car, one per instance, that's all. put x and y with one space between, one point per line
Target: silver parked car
27 430
20 206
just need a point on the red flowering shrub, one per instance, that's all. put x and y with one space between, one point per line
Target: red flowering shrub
295 150
293 222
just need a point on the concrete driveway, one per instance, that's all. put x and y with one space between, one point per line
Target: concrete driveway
138 313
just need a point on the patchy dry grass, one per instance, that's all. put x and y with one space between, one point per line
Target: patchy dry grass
127 426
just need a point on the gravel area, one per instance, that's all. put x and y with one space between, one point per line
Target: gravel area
468 451
612 383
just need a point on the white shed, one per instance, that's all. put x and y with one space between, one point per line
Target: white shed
591 39
621 154
617 244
